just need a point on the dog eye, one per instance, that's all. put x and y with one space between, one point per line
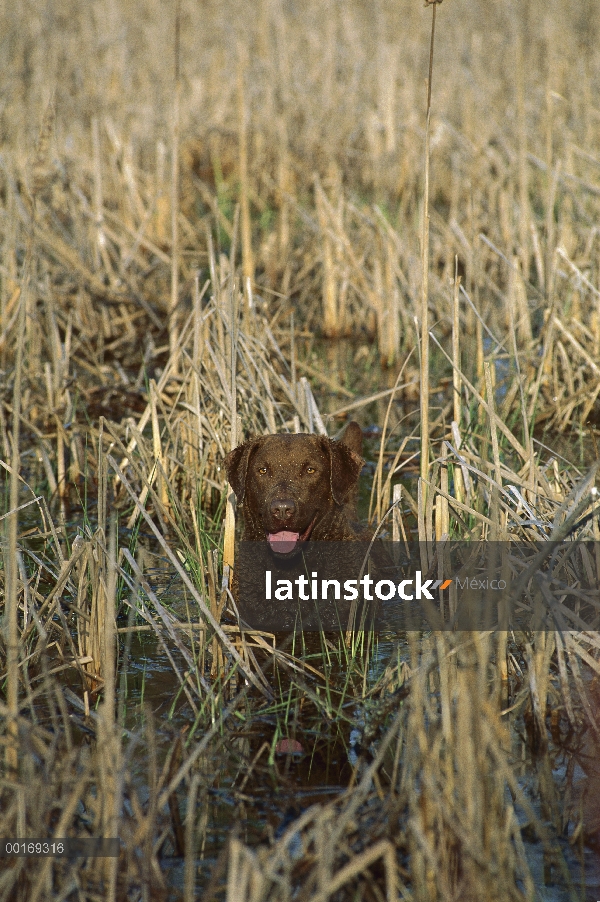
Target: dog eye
311 470
262 470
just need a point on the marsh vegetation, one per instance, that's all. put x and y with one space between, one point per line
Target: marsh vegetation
211 222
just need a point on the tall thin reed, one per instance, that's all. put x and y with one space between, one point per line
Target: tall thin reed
173 305
457 377
246 229
110 758
10 562
229 536
425 275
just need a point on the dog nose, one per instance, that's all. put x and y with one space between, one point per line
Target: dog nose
283 509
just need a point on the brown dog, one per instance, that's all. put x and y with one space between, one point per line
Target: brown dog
293 488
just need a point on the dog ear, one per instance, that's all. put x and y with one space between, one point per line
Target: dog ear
345 467
236 465
353 437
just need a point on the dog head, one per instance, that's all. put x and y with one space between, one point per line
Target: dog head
287 485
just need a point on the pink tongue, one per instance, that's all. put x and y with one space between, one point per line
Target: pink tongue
283 541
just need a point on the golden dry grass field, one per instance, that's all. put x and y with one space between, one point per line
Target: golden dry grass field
224 219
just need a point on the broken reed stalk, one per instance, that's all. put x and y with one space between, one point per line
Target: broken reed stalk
425 276
189 866
459 492
100 256
495 529
110 753
160 462
456 368
513 335
102 478
330 307
442 513
173 311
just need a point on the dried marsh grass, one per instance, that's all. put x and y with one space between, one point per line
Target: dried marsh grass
172 239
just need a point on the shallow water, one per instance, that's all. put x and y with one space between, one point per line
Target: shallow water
284 780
